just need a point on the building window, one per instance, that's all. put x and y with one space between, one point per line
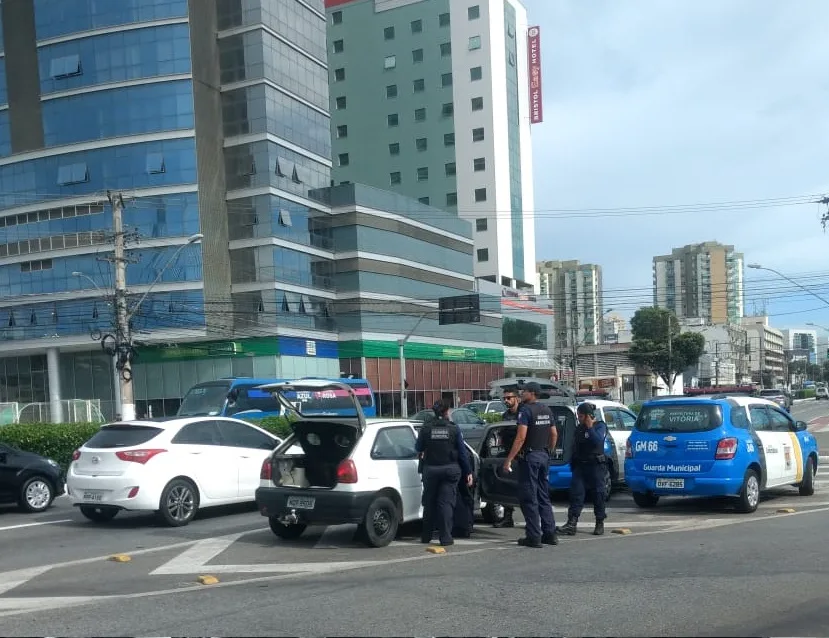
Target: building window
391 91
73 174
479 164
476 73
34 266
417 26
474 12
337 17
424 200
390 62
448 109
417 55
510 30
477 103
481 224
446 79
445 49
480 194
511 58
448 139
419 85
343 159
474 42
388 33
422 174
392 119
339 46
421 144
420 115
65 67
340 102
155 163
395 178
483 254
285 218
394 148
339 75
342 131
443 19
451 199
451 169
478 134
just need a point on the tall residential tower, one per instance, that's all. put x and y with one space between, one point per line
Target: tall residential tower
430 99
575 291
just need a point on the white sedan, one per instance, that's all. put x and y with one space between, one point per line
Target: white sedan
170 467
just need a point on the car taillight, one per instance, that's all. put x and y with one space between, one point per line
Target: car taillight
138 456
266 473
628 450
76 455
347 472
726 449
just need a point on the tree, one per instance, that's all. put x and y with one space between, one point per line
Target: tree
654 329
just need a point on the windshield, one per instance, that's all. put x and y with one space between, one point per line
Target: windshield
363 393
679 417
248 397
205 399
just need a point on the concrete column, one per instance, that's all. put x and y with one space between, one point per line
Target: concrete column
116 390
53 369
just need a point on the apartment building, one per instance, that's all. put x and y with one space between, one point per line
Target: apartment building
766 352
575 291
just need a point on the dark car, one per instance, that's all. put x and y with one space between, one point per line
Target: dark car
28 479
470 423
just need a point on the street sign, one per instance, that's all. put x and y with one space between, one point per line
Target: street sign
459 309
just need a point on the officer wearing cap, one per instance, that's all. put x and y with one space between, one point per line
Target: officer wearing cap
535 440
443 452
589 465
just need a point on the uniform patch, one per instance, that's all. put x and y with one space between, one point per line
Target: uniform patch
440 434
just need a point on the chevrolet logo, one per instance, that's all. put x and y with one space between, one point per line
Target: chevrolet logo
670 438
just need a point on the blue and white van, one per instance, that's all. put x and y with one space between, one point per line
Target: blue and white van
717 446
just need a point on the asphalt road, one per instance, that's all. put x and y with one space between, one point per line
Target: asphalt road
689 567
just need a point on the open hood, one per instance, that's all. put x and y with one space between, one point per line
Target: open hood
319 400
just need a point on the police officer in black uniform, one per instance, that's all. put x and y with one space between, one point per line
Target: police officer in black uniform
589 465
512 402
441 447
535 440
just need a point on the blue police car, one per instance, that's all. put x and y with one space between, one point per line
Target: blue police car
717 446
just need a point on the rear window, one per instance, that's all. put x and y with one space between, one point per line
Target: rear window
122 436
679 418
770 393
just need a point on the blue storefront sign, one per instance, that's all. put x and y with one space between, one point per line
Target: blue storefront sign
298 347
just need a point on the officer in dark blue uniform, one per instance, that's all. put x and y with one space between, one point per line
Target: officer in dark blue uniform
589 465
535 440
442 450
511 400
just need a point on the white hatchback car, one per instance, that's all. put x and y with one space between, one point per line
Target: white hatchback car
335 470
172 467
620 421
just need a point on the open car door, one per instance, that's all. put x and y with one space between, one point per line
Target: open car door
497 486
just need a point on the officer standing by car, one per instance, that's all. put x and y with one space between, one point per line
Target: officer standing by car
443 452
534 441
512 402
589 465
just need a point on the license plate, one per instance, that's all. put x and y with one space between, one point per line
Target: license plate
670 483
93 496
301 502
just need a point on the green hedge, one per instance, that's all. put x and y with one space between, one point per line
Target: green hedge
58 441
491 417
635 407
805 394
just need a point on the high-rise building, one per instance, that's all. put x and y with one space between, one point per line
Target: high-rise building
801 344
575 291
211 118
429 99
700 281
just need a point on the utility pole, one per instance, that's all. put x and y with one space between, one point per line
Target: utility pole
401 347
574 336
670 358
716 363
123 338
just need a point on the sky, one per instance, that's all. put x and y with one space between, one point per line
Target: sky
677 104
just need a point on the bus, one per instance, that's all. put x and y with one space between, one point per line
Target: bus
240 397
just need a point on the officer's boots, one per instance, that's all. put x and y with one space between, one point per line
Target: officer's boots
599 529
507 521
568 529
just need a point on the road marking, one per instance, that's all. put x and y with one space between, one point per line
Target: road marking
10 580
22 525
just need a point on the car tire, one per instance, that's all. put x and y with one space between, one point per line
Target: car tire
36 495
286 532
179 503
807 485
493 513
645 500
99 514
608 482
380 524
749 498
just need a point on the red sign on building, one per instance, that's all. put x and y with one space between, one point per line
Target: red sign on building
534 59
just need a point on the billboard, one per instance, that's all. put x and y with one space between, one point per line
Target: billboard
534 75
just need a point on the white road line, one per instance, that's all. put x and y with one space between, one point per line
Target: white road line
22 525
198 555
18 577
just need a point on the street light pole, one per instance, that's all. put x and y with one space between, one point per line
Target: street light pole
401 347
780 274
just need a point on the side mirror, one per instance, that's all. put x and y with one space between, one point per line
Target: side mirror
801 426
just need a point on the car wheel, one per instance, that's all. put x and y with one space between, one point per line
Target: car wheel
807 485
179 503
749 493
645 500
379 527
99 514
36 495
286 532
608 483
493 513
